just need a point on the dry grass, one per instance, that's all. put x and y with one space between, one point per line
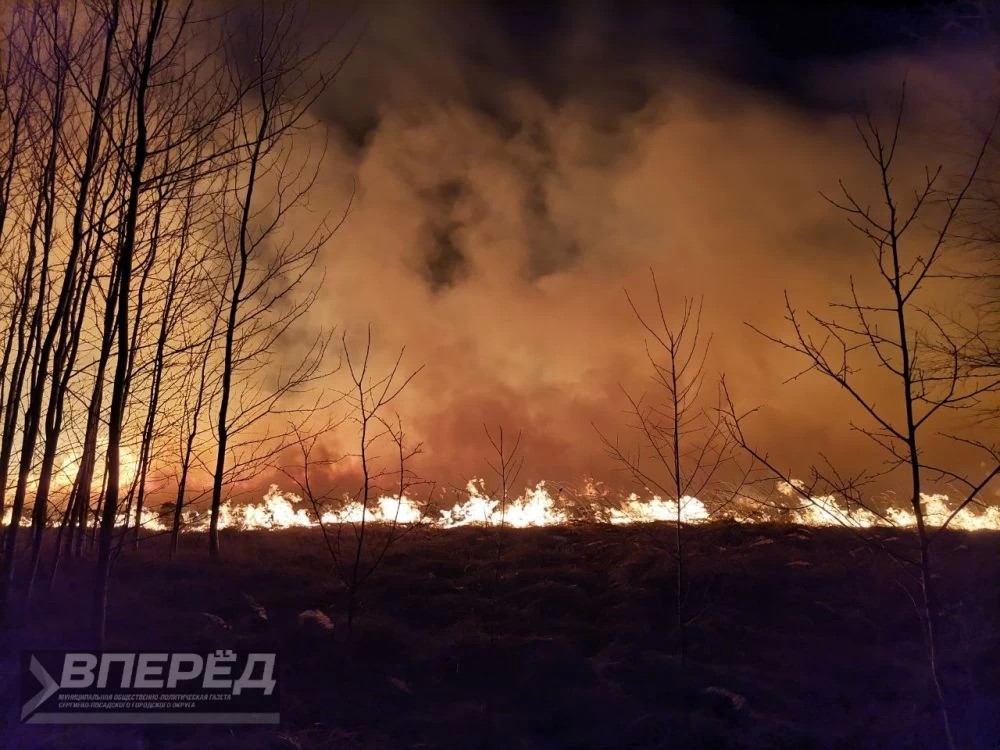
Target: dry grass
798 639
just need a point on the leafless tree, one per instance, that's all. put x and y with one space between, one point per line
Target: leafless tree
357 549
892 332
195 394
147 178
21 130
506 464
682 443
264 274
150 30
46 320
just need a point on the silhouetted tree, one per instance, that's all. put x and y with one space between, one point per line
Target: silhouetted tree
264 272
682 444
357 554
892 333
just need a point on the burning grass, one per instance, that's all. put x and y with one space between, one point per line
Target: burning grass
542 506
798 638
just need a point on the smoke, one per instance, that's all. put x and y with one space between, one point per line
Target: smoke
506 191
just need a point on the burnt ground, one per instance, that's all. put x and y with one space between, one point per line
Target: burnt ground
797 638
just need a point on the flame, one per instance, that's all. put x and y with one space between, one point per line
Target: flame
280 509
636 510
827 510
64 473
537 507
386 509
68 466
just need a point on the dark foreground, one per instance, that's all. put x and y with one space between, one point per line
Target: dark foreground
797 638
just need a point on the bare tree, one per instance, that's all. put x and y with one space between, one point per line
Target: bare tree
147 176
151 36
506 464
894 333
263 272
357 549
370 397
682 444
44 325
20 130
194 397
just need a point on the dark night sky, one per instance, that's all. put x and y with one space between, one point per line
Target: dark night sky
763 45
615 52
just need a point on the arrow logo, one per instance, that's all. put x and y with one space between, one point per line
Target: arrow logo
49 688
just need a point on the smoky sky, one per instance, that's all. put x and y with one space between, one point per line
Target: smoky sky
610 51
512 167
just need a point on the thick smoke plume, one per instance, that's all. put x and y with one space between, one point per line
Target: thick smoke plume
501 204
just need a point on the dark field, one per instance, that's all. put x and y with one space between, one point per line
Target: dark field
797 638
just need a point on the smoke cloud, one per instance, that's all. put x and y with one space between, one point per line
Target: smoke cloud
506 192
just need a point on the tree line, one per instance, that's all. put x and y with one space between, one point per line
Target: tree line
149 169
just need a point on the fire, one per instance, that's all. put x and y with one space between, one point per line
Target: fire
636 510
827 510
535 508
64 475
67 466
538 507
386 509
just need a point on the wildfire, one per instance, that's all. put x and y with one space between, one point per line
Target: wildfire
636 510
826 510
68 466
535 508
64 475
538 507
